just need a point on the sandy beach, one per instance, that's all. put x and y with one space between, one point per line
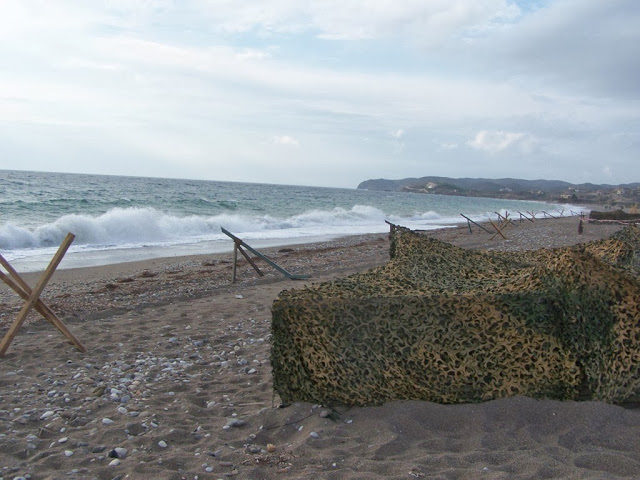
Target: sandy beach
176 384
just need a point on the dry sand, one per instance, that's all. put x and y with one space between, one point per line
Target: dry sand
177 373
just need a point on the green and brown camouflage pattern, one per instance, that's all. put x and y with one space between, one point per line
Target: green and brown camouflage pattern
450 325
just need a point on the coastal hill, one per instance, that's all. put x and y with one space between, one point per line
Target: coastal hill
626 195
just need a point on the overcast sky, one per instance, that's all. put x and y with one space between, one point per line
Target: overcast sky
326 92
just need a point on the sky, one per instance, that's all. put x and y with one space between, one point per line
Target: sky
326 92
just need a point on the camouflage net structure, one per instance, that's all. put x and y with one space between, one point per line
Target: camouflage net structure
450 325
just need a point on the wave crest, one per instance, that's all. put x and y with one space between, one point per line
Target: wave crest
143 226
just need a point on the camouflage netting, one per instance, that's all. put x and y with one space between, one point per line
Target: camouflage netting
450 325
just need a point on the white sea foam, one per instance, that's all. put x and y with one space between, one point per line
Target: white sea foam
146 227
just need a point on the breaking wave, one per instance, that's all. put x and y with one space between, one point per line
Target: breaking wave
128 227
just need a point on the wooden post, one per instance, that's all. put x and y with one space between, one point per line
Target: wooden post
235 262
34 296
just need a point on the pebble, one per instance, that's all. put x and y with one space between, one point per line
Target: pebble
47 414
314 435
235 423
107 421
162 444
114 463
68 453
118 452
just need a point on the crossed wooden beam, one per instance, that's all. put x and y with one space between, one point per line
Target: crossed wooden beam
237 246
32 297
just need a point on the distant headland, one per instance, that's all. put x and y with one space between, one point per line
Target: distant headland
618 196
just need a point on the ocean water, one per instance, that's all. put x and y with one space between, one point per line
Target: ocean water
118 219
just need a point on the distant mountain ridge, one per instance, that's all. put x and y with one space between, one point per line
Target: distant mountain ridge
546 190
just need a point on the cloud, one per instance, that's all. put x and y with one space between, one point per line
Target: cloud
285 140
211 80
572 45
432 22
498 141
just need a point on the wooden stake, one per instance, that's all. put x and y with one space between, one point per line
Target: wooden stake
235 262
497 229
34 296
250 260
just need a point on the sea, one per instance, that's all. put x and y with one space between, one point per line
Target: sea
118 219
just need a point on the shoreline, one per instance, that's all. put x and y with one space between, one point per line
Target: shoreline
197 275
34 260
176 384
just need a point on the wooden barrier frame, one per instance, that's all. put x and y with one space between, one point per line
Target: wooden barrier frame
505 220
531 219
32 298
237 246
469 222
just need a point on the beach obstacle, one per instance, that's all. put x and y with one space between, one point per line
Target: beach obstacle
498 229
32 297
505 221
237 247
532 219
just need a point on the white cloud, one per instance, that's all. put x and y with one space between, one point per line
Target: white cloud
431 22
498 141
215 80
285 140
